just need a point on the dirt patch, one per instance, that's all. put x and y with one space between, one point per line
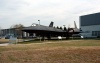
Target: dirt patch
52 55
52 52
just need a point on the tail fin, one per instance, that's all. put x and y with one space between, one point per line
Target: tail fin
51 24
75 25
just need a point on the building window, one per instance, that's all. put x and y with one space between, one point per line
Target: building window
95 33
98 33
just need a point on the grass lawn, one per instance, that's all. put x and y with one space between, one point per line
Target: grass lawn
71 51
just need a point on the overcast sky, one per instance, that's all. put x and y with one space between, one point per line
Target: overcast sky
62 12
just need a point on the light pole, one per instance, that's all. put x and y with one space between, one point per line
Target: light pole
10 30
64 25
39 35
39 22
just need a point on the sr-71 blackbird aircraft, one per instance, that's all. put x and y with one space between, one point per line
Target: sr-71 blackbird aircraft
48 31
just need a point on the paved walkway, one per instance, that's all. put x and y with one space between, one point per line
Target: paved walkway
4 44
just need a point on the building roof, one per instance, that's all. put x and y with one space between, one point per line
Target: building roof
91 19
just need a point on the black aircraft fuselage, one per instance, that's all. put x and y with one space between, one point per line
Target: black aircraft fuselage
45 31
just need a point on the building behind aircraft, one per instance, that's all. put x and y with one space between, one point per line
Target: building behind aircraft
90 25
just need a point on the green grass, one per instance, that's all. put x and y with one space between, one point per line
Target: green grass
67 42
66 51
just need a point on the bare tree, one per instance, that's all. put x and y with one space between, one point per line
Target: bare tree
18 29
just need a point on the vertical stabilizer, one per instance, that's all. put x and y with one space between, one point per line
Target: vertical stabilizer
75 24
51 24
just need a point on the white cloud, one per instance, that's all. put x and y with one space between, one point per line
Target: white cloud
62 12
